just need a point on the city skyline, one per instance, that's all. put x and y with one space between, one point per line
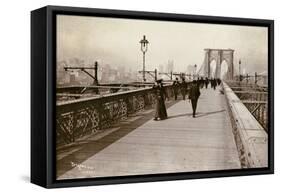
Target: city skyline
116 42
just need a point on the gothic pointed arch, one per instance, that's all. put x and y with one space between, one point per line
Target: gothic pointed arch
219 55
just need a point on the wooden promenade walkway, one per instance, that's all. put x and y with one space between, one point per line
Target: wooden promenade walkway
144 146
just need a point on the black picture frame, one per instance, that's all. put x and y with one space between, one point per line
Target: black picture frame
43 84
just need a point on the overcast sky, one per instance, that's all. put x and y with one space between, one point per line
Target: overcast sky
116 41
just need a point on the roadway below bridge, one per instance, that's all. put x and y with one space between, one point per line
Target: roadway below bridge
141 145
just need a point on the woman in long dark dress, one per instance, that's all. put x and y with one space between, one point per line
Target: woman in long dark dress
160 108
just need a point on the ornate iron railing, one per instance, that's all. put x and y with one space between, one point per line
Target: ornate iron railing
77 118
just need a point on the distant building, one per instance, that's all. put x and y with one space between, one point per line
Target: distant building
161 68
121 73
105 72
190 69
63 77
170 66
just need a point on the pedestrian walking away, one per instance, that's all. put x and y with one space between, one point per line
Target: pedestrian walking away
194 94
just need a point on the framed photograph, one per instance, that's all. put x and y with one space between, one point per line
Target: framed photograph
126 96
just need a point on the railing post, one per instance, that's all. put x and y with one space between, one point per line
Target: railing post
96 83
96 72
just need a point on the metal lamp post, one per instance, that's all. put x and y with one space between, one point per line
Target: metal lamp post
144 47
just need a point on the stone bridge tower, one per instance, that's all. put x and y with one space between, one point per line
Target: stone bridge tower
219 55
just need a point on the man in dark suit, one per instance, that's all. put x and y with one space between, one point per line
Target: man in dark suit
194 94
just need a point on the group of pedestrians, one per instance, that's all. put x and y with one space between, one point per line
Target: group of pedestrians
180 87
192 90
205 82
193 93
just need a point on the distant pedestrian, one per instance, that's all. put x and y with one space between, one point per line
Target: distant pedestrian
194 93
214 84
201 82
176 86
219 81
206 82
160 108
183 88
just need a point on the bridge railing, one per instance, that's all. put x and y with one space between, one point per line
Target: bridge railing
255 98
251 139
236 85
77 118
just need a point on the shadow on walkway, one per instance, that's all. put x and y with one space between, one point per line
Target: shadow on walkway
179 115
81 152
209 113
197 114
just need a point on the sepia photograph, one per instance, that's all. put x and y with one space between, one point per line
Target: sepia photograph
143 97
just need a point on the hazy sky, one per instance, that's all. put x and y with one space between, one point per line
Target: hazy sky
116 42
